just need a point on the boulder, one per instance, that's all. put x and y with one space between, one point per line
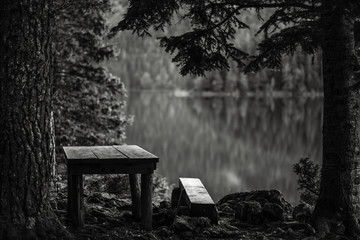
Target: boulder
273 211
248 211
260 196
302 212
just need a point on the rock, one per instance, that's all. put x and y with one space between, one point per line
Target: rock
226 210
163 217
270 196
273 212
147 236
309 230
163 232
260 196
248 212
95 198
181 224
165 204
222 232
279 231
201 222
310 238
290 232
302 212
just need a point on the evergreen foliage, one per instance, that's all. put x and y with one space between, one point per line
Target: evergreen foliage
148 66
308 180
210 43
89 101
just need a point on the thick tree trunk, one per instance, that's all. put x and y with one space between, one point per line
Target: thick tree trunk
26 136
339 198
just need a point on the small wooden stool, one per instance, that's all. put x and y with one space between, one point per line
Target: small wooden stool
126 159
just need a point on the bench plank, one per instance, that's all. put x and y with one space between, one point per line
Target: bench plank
73 153
107 152
196 191
135 152
198 199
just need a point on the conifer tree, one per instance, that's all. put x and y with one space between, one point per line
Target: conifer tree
308 26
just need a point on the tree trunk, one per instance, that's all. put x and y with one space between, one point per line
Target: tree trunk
26 136
340 179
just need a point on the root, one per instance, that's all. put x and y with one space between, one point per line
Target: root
352 227
321 225
43 228
324 225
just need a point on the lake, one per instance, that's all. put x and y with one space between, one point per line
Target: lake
231 144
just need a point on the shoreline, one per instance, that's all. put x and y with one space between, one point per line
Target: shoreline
206 94
259 214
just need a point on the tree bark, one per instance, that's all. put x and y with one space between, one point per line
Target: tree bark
340 179
26 136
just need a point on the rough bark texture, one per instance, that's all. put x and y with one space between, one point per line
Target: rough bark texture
26 136
339 198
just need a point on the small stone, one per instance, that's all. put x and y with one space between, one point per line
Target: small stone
30 223
226 211
202 222
150 236
310 238
280 231
165 204
261 237
290 232
181 224
309 230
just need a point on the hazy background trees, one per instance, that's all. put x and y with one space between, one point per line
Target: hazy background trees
299 73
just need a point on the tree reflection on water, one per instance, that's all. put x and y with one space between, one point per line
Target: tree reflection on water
230 144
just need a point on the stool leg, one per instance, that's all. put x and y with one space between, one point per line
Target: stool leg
146 201
135 196
78 214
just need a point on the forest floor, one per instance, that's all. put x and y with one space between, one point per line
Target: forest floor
254 215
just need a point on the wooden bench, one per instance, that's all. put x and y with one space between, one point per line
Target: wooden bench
128 159
198 199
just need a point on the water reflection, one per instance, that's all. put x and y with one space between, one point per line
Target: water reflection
230 144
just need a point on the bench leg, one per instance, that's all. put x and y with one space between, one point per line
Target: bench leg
135 196
69 198
77 204
146 201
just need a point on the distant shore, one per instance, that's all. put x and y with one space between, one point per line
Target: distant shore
235 94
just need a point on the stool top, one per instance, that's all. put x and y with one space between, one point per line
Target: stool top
108 154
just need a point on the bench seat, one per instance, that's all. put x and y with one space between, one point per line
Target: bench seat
198 199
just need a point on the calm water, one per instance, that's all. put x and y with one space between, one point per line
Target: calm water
230 144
